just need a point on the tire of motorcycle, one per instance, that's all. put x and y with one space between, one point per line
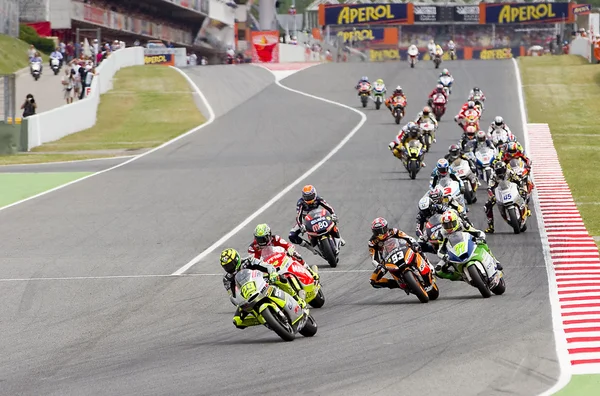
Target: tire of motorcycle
412 65
328 253
398 117
513 218
469 195
377 105
319 300
500 288
413 168
478 281
364 103
488 175
284 331
434 293
310 327
415 286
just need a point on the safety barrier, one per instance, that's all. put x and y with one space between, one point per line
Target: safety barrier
79 116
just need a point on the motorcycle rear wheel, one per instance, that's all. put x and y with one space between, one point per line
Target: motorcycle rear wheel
415 286
514 220
284 331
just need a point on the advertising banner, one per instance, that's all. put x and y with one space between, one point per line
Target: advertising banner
377 35
582 9
355 14
496 53
426 13
265 48
525 13
466 14
163 59
384 55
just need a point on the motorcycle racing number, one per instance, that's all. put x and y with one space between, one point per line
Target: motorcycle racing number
507 197
398 256
447 191
248 290
319 225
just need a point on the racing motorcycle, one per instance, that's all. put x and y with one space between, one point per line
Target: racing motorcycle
410 269
463 170
446 81
473 264
378 95
498 136
413 156
398 105
428 132
484 159
412 58
433 231
478 99
451 189
319 225
452 54
297 276
274 308
364 91
513 208
471 119
437 60
438 103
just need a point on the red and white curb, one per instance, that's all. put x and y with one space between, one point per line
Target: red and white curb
283 70
573 253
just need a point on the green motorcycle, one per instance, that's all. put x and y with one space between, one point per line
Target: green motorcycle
474 264
271 306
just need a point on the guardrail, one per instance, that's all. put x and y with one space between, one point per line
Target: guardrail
79 116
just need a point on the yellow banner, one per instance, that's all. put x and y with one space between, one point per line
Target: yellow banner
384 55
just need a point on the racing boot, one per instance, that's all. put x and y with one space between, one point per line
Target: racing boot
490 229
446 271
314 271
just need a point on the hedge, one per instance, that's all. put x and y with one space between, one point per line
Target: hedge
30 36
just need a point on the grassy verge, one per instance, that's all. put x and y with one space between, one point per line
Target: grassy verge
43 158
581 385
147 106
13 54
564 92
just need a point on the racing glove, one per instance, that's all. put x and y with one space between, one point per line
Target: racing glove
273 277
334 218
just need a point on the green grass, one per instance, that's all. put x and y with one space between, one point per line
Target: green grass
564 92
581 385
13 54
147 106
23 158
18 186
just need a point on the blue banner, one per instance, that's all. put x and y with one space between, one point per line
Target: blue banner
354 14
527 12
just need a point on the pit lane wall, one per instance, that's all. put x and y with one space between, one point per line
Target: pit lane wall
81 115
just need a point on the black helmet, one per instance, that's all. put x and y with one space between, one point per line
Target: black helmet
454 151
413 131
500 169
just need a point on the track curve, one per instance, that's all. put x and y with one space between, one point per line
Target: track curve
174 335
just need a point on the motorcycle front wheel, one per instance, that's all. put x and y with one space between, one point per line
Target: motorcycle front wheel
310 327
415 286
328 253
319 300
478 281
283 330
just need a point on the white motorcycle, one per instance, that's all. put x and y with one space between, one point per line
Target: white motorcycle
462 168
498 136
512 206
484 158
55 65
451 189
446 81
413 57
36 70
428 132
378 95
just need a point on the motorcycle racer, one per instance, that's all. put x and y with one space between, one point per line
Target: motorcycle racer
431 48
439 89
454 153
263 237
310 201
451 45
426 116
364 81
467 141
501 172
452 223
431 205
481 139
446 73
413 50
232 263
515 150
438 50
380 233
441 170
467 107
476 92
398 92
409 132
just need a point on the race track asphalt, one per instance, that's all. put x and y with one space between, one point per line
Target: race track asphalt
173 335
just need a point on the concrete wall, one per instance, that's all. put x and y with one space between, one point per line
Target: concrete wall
581 46
291 53
51 125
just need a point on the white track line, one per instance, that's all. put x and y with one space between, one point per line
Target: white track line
561 344
210 120
277 197
103 277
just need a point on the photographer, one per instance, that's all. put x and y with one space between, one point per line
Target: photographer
29 106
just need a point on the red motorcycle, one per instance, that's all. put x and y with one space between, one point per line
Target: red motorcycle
296 275
439 106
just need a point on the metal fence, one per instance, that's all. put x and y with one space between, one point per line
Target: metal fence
9 17
8 97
